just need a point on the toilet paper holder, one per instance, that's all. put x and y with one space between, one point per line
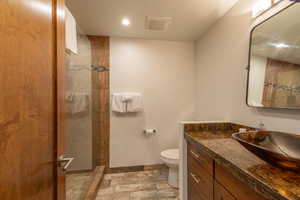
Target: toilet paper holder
149 132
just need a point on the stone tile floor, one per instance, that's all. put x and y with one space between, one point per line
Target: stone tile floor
77 185
144 185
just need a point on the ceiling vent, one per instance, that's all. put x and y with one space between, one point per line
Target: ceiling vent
158 24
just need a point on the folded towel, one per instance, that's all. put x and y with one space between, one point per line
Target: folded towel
69 97
78 103
118 104
70 32
127 102
126 97
135 104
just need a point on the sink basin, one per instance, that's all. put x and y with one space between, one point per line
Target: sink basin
276 148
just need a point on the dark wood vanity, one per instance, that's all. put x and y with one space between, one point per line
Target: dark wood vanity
209 181
220 168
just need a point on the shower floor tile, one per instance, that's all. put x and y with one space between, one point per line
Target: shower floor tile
144 185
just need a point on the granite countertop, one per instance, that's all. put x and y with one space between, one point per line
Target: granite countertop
271 182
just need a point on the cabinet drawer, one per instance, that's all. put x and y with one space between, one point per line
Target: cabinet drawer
220 193
202 158
200 179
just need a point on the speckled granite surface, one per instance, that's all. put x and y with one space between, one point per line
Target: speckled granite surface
271 182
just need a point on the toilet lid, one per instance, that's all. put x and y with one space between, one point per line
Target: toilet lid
171 154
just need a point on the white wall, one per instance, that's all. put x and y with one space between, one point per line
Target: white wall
164 72
257 80
221 56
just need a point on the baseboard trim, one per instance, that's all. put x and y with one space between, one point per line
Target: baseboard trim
134 168
79 171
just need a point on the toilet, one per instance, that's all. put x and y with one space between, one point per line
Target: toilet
171 158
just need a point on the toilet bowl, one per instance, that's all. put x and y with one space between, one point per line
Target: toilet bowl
171 158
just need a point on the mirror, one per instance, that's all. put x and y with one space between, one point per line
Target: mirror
274 61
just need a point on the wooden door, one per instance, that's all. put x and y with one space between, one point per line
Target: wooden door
29 61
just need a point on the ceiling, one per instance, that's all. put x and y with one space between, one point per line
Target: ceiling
190 17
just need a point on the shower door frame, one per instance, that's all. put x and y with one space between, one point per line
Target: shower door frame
60 96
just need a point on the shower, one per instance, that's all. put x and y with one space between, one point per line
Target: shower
87 113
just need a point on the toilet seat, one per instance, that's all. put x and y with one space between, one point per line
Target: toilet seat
170 156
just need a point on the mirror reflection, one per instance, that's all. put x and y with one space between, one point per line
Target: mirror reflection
274 74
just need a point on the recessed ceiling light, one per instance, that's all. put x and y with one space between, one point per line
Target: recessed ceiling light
125 22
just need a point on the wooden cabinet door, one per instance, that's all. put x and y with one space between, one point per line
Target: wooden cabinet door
28 99
204 161
194 193
200 178
235 186
220 193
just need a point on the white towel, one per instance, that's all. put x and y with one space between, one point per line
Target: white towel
127 102
135 104
81 103
118 104
127 97
71 32
78 103
69 97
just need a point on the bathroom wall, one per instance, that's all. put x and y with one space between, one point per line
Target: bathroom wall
257 80
163 71
79 124
221 59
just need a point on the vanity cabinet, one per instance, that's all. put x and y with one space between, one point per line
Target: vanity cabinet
209 181
237 188
220 193
200 179
200 170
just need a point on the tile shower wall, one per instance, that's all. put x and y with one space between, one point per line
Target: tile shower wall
79 125
100 95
